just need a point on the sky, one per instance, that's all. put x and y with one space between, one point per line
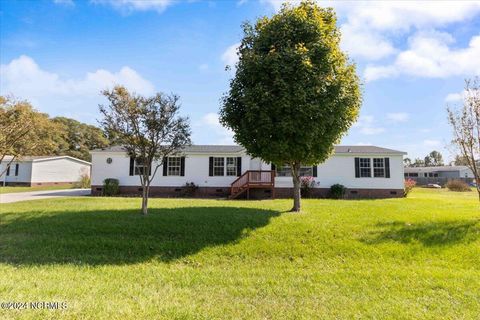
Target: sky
412 58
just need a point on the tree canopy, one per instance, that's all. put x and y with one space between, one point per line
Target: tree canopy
295 93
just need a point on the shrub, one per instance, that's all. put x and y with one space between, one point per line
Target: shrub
83 182
457 185
189 189
408 185
337 191
306 186
111 187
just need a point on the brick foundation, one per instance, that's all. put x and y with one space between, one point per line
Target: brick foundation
37 184
223 192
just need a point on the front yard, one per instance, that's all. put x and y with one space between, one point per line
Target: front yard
8 189
208 259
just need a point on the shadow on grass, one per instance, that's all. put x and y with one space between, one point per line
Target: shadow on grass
428 234
122 236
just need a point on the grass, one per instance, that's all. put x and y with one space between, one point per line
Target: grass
210 259
9 189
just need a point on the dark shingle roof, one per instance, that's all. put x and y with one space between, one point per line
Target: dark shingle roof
235 149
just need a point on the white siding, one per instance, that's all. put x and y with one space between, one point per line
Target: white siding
196 171
24 172
58 170
338 169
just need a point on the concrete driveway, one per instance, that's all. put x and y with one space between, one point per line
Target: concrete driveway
37 195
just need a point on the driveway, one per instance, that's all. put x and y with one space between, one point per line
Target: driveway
37 195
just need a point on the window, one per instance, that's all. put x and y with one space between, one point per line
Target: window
218 166
379 167
365 168
231 166
8 170
286 171
174 165
140 166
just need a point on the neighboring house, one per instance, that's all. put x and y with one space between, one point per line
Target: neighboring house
219 171
43 170
440 174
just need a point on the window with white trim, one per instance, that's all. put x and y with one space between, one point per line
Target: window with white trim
139 166
365 168
231 166
218 166
174 165
378 167
286 171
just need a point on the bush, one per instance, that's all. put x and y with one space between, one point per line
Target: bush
408 185
306 186
83 182
458 186
337 191
111 187
189 189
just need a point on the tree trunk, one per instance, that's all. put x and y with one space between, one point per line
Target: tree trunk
145 192
296 187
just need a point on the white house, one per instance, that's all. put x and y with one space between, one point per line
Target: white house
43 170
451 172
219 171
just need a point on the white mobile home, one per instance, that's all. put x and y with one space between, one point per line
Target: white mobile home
219 171
43 170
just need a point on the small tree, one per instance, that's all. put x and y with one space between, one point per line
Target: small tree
407 162
295 93
149 128
465 123
23 131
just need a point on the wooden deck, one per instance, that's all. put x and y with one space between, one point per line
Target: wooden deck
259 179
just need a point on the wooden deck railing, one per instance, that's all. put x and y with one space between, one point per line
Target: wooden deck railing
253 179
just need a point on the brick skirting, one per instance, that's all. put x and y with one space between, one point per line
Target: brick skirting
223 192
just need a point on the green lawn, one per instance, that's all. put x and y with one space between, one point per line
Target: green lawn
8 189
208 259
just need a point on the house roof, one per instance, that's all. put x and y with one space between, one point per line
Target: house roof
436 169
44 158
237 149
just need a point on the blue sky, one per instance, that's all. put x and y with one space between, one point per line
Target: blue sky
412 58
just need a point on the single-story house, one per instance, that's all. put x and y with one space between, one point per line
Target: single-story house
43 170
439 175
452 172
227 170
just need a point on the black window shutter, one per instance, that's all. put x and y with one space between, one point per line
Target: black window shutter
357 167
165 166
273 167
210 166
16 169
8 170
387 167
182 166
150 169
132 164
239 166
315 173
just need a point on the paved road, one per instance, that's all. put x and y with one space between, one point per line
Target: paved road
37 195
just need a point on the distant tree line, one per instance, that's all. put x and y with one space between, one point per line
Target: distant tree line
433 159
25 131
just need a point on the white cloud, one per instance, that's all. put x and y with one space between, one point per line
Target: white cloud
454 97
398 117
364 43
229 56
366 126
203 67
136 5
431 143
210 122
430 56
50 92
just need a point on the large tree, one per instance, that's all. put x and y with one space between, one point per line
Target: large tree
465 123
295 93
75 138
434 159
149 128
23 131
